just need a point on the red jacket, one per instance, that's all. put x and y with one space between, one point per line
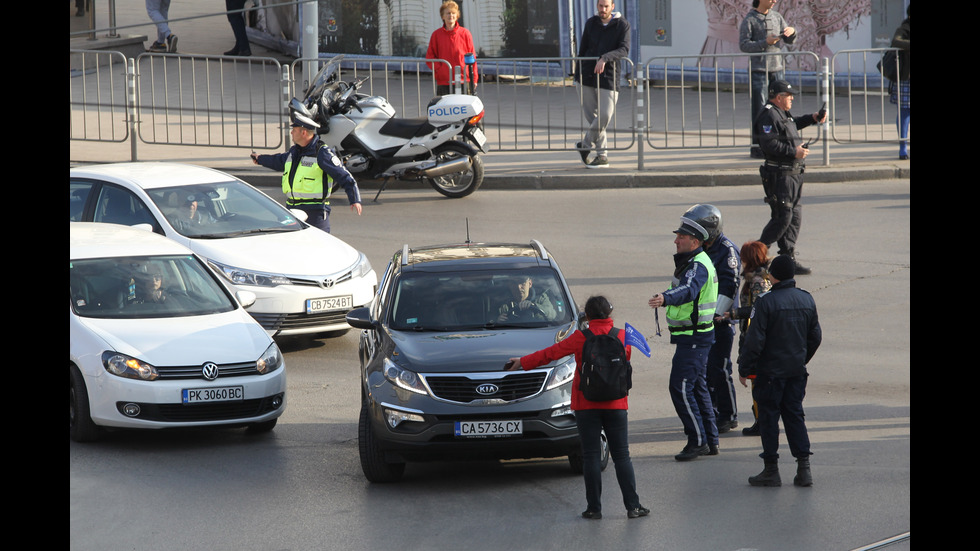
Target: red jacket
451 46
573 344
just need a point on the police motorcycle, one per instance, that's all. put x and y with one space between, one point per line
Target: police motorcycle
442 149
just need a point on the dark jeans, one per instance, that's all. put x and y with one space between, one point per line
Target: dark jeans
591 422
781 398
237 21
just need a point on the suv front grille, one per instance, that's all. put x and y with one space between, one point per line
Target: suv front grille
463 389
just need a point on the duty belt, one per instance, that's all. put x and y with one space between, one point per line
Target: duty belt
784 165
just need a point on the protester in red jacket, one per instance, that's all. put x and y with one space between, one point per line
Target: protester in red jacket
594 417
450 42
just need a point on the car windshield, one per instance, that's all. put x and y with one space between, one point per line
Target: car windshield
453 301
145 287
226 209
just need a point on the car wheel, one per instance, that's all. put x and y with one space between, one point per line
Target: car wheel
263 427
373 463
82 429
577 463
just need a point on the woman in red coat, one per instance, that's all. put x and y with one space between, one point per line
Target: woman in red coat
593 417
450 42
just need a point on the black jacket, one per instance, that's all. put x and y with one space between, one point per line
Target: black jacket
783 333
609 43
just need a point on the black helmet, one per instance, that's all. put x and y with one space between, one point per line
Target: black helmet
705 220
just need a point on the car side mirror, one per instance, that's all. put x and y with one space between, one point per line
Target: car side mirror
360 318
245 298
583 321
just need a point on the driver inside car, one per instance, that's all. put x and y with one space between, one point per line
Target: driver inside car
524 303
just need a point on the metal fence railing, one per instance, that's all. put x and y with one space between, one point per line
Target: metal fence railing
217 101
532 104
862 103
705 101
535 105
98 96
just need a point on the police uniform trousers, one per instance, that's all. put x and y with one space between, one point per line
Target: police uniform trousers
719 374
317 216
689 392
784 188
781 398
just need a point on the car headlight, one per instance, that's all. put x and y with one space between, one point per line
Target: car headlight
128 366
270 360
403 378
562 373
239 276
362 268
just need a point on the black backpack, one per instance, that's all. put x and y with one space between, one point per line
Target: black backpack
606 372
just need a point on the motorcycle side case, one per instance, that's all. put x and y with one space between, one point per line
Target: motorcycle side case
453 108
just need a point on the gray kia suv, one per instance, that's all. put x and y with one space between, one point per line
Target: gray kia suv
433 347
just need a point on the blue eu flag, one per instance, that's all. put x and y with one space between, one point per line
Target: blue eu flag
636 339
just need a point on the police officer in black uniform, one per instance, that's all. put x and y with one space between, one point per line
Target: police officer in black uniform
782 173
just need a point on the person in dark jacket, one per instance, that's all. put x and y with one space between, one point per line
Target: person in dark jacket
606 36
782 174
783 336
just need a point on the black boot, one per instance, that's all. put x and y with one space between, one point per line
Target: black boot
768 477
803 477
751 431
798 268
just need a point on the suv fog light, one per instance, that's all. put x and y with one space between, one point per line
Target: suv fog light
566 410
131 410
395 417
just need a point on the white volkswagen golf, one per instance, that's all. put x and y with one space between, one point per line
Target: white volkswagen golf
157 341
305 280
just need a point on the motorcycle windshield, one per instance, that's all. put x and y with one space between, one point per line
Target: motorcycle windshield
327 74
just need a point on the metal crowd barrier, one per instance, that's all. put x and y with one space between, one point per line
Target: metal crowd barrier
216 101
862 107
533 104
705 101
98 91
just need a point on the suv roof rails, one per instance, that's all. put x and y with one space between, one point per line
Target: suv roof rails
540 248
405 254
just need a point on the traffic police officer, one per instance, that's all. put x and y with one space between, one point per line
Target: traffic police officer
690 304
782 173
309 171
724 256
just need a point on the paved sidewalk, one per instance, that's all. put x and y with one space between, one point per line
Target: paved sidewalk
504 170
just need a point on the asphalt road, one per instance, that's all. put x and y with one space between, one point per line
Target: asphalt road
300 487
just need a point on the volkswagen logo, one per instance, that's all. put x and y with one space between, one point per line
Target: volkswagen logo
210 371
487 389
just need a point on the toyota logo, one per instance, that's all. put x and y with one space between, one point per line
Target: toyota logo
487 389
210 371
327 283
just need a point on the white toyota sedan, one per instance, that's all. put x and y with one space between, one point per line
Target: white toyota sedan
157 341
305 280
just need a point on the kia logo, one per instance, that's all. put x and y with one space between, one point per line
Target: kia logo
210 371
487 389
